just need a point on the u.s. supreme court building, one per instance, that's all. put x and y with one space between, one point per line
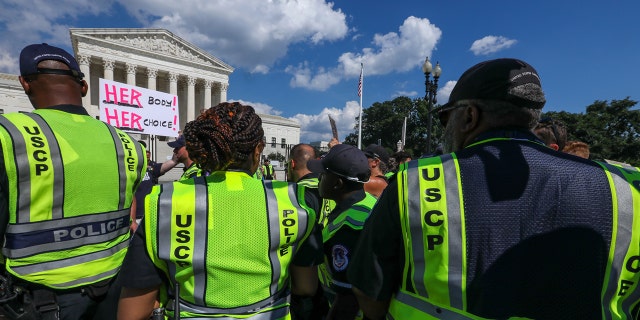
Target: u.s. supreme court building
158 60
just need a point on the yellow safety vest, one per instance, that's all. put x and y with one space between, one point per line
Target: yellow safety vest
227 240
435 257
327 204
69 196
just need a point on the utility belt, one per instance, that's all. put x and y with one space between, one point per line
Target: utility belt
20 300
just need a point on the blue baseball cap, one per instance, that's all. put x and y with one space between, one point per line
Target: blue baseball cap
33 54
178 143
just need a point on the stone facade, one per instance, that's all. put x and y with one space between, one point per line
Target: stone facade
158 60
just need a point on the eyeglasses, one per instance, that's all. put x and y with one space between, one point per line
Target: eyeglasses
443 113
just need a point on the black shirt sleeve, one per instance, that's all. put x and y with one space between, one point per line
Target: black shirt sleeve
310 251
138 271
378 260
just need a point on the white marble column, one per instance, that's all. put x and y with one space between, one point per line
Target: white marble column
152 75
85 61
223 91
173 83
108 68
207 94
131 73
191 98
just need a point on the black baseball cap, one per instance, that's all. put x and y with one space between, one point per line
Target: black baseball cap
33 54
343 160
376 151
499 79
178 143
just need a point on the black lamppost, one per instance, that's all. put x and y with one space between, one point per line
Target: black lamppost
430 97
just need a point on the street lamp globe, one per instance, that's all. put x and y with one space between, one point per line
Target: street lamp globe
426 66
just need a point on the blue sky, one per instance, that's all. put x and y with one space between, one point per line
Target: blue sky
301 59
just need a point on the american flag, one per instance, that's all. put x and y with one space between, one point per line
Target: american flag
360 82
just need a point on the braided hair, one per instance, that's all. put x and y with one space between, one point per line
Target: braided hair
223 136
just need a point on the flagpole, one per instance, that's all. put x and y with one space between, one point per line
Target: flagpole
360 85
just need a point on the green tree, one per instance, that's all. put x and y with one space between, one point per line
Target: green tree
276 156
611 129
384 121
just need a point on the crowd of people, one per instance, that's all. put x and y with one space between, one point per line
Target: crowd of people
511 220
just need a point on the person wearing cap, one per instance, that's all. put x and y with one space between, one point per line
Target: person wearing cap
344 171
226 246
500 225
191 169
267 170
379 164
65 212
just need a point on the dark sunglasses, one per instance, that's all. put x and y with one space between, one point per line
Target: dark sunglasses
443 113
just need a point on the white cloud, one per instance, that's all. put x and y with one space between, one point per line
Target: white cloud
317 128
9 62
392 52
405 94
252 34
442 96
491 44
260 107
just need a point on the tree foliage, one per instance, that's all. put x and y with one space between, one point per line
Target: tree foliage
611 129
384 120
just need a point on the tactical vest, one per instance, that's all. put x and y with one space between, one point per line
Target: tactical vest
69 196
353 218
435 243
229 243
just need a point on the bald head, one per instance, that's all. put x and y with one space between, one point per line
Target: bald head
299 156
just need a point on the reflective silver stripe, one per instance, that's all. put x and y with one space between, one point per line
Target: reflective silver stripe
429 308
74 261
623 237
455 220
415 227
23 205
66 222
164 217
455 251
273 216
105 275
280 298
64 245
200 240
122 170
303 216
56 161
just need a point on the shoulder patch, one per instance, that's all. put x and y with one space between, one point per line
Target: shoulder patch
339 257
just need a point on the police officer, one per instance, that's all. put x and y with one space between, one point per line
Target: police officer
67 184
267 170
344 170
180 153
500 225
229 245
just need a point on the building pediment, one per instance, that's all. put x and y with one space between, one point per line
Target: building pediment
154 43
